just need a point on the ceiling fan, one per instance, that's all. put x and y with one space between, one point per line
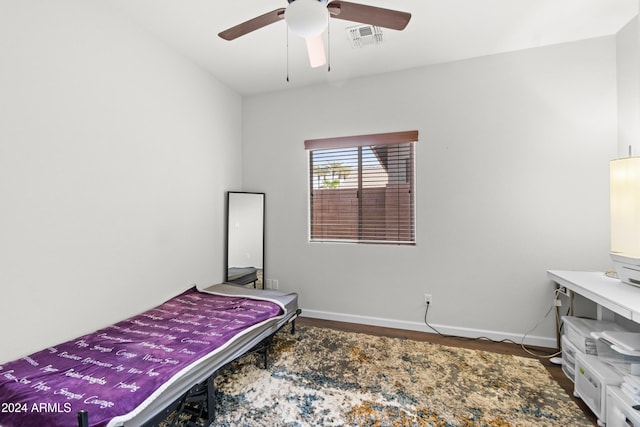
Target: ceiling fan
309 18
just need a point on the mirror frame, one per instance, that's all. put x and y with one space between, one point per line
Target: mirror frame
228 233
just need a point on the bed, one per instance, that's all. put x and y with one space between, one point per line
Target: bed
136 371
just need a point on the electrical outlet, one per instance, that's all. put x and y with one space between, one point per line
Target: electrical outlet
427 299
275 283
269 284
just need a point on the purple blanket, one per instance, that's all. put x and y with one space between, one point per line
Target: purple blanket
112 371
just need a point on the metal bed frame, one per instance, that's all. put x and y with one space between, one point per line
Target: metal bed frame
204 392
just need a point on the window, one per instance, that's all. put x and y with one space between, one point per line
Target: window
362 188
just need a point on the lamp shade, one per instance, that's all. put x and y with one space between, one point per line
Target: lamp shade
306 18
625 206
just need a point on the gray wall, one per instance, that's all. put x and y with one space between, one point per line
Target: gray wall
628 74
115 154
512 180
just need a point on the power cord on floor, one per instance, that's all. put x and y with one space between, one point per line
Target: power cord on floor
482 338
531 352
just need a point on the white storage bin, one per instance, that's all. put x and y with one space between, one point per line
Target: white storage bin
579 330
618 350
568 358
592 379
619 409
569 370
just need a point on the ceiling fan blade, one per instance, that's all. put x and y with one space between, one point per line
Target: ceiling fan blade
315 49
253 24
371 15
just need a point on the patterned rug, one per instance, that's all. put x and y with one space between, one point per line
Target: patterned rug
323 377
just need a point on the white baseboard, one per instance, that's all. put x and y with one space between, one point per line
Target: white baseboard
421 327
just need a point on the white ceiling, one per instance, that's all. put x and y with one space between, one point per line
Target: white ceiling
439 31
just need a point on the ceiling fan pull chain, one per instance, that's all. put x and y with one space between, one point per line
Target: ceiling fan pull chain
328 43
287 54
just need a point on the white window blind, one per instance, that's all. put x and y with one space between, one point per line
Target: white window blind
362 188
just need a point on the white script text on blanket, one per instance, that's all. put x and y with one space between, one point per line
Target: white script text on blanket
119 369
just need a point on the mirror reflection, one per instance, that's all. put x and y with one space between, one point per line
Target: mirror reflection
245 239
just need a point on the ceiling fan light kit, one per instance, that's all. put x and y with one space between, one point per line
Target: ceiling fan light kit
307 18
310 18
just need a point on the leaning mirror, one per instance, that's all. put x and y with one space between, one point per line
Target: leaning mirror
245 238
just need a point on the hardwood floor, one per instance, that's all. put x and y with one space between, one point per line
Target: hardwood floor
502 348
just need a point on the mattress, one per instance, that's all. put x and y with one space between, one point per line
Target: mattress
130 371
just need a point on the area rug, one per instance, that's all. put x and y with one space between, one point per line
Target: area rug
324 377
